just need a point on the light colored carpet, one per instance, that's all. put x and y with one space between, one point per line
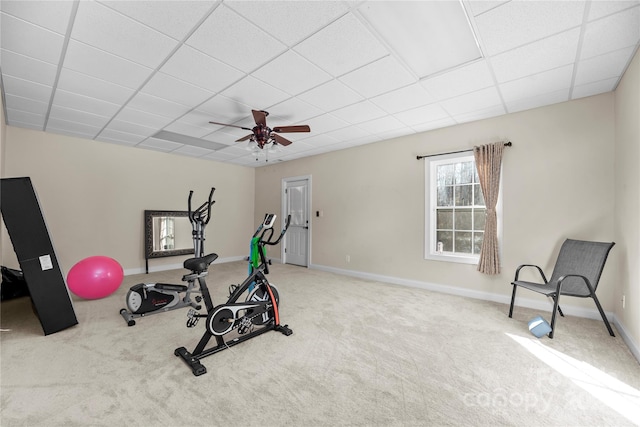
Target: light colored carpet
363 353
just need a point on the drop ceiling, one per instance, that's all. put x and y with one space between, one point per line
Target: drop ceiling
356 72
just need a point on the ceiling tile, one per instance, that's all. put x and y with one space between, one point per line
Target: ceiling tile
159 144
27 68
611 33
132 128
326 123
292 112
99 107
466 79
158 106
25 119
517 23
225 110
26 89
105 66
143 118
382 124
603 67
331 96
237 42
536 57
528 87
95 24
479 114
172 89
428 36
360 112
292 73
424 114
201 70
174 18
185 126
383 75
253 92
536 100
599 9
403 99
479 7
52 15
478 100
290 22
189 150
18 103
594 88
73 81
234 150
71 128
348 133
111 135
77 116
342 46
30 40
225 135
434 124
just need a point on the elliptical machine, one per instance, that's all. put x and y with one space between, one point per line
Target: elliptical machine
251 309
145 299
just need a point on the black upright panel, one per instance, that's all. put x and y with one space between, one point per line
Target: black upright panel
31 242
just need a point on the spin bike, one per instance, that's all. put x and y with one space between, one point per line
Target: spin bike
251 309
145 299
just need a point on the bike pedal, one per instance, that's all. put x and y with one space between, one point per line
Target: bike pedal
192 322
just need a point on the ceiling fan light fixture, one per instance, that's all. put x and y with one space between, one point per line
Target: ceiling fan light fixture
275 148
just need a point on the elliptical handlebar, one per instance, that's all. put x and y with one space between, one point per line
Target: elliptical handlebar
199 214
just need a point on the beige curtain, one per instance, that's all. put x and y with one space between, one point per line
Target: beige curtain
488 162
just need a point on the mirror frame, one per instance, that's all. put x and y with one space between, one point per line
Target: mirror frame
148 235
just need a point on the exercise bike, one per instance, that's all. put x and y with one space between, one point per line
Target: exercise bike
145 299
251 309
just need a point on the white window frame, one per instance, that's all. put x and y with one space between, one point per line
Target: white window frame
430 244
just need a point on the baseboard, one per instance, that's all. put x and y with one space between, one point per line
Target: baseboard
487 296
622 331
177 266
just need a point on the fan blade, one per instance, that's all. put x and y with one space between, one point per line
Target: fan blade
289 129
244 138
260 117
233 126
280 140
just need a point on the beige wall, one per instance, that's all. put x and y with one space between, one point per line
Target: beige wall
93 196
627 196
558 183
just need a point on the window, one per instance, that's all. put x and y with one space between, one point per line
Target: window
455 209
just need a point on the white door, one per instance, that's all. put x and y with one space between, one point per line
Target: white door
296 204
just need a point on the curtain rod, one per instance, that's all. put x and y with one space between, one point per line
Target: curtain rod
506 144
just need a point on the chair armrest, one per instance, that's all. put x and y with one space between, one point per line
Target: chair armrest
530 265
586 281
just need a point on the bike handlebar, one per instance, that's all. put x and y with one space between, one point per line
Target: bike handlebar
282 233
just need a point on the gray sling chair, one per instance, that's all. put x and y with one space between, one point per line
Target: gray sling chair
576 273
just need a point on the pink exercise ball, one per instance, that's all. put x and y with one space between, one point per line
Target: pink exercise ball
95 277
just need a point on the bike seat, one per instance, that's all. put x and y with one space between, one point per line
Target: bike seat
200 264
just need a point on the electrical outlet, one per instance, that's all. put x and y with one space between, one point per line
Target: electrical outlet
623 301
348 258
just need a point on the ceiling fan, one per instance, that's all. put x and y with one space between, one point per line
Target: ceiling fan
262 134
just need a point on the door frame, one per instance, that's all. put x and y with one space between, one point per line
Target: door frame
283 198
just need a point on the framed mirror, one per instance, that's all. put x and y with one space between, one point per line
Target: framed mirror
166 233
